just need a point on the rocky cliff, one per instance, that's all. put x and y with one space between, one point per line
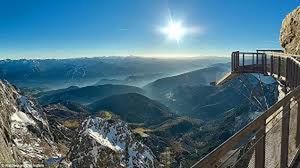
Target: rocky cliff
25 137
8 153
290 32
109 143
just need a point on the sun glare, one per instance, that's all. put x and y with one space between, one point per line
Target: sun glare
174 31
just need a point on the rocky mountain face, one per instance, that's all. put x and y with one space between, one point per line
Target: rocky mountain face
25 134
8 153
290 32
30 135
109 143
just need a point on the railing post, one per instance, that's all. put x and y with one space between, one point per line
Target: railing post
232 63
290 69
243 62
234 57
256 57
253 68
285 136
278 68
260 147
290 72
265 63
287 78
272 66
293 74
296 74
298 122
262 63
238 59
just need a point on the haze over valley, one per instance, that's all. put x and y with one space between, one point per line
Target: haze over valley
170 106
149 84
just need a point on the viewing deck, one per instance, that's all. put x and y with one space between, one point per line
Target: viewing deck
273 139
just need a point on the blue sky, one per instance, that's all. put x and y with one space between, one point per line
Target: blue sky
73 28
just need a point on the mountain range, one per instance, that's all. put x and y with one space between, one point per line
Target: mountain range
199 100
172 121
49 74
26 138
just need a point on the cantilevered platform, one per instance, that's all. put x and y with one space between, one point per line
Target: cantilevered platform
273 138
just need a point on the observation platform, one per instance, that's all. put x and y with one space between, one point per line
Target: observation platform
272 139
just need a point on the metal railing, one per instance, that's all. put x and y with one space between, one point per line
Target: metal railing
276 64
272 139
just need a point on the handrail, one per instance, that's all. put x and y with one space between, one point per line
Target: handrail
284 55
291 74
210 159
250 53
273 63
268 50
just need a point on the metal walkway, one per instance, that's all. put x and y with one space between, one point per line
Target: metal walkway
272 139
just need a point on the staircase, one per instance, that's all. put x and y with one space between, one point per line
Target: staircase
272 139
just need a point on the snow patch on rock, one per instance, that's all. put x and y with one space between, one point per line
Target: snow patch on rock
109 143
102 140
21 117
28 106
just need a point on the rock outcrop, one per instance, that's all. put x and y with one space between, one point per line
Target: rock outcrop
8 154
109 143
25 137
290 32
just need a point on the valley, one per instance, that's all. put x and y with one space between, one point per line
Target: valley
169 121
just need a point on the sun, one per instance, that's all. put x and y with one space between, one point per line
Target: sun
174 30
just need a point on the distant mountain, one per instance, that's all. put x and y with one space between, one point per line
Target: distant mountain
203 76
134 80
69 133
192 95
59 73
85 95
133 108
209 102
55 73
54 92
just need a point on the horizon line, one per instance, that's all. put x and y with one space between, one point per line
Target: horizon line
124 56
